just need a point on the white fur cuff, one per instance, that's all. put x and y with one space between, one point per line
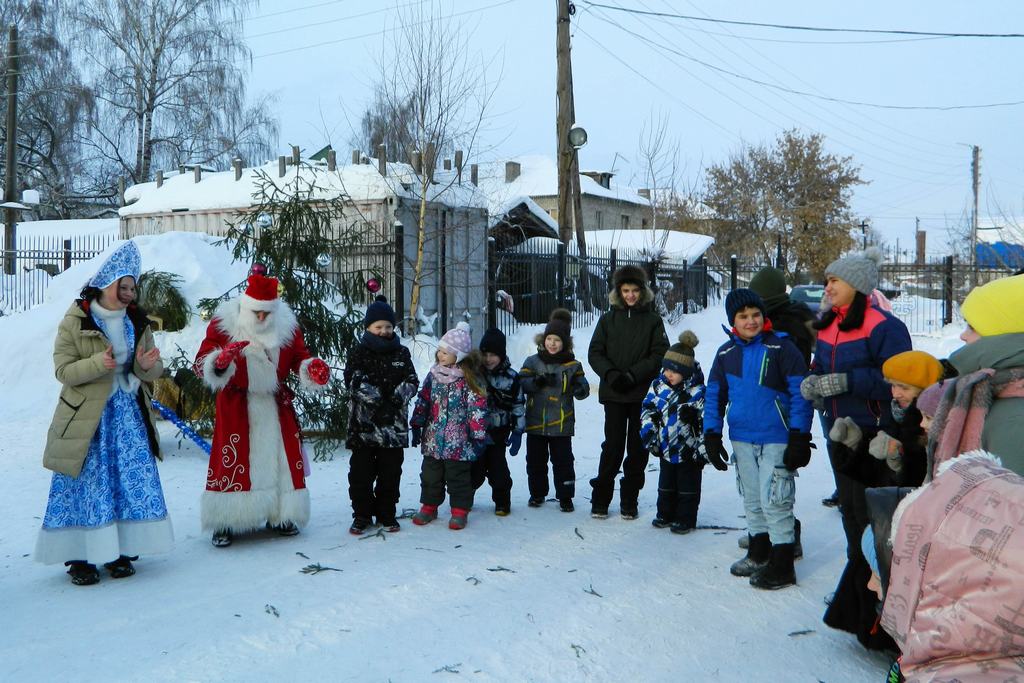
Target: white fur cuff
305 381
210 376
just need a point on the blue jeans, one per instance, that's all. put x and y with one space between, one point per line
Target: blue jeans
768 489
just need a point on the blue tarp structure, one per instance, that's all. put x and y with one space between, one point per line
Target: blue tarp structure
1000 255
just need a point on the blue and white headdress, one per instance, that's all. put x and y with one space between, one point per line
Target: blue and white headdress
125 260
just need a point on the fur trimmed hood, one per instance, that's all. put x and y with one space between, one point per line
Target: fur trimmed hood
634 275
281 330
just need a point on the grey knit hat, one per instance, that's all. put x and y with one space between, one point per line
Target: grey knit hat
859 270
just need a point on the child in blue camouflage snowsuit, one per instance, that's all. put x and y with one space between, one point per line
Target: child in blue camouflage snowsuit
506 421
671 427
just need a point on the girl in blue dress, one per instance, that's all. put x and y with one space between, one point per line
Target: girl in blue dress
106 504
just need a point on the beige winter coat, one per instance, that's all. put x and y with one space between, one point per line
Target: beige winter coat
78 360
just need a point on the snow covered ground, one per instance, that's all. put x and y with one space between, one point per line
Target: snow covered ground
540 595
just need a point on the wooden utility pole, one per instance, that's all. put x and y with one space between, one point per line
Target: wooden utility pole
975 182
11 157
563 122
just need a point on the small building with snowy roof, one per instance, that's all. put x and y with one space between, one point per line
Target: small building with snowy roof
1000 243
385 211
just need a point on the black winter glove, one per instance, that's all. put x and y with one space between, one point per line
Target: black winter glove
798 451
623 382
416 433
541 381
717 454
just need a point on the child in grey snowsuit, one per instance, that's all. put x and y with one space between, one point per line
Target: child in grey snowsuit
671 428
551 379
506 421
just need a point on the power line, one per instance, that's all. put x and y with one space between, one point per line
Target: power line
381 32
330 21
804 93
794 27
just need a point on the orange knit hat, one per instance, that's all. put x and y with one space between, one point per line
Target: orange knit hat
915 368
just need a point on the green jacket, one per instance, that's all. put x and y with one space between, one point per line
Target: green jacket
628 340
78 360
1002 431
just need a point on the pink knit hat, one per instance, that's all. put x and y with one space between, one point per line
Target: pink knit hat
458 341
929 399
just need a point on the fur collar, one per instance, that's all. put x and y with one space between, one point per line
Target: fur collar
642 304
281 331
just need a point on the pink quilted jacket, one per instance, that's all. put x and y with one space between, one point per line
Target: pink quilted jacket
955 603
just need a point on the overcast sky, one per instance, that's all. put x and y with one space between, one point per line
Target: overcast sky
321 59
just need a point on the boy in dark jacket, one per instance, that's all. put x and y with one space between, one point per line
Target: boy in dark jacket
625 352
381 381
673 430
756 377
792 317
551 379
506 420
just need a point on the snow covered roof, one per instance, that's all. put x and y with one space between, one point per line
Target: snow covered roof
538 177
668 246
361 182
1009 230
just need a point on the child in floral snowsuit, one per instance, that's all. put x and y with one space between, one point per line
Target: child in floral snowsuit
449 423
672 428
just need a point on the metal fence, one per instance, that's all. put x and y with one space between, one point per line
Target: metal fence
527 283
37 260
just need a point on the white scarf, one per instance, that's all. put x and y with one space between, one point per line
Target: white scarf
124 378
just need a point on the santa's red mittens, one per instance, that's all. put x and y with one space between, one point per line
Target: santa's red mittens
230 352
319 371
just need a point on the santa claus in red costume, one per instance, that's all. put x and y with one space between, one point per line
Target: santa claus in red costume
256 474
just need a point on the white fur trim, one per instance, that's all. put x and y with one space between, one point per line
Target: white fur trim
251 304
262 370
985 455
305 381
210 376
280 332
271 497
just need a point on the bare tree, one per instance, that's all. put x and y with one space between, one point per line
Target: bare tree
169 80
432 96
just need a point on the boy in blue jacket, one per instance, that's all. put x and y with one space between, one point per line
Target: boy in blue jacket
756 376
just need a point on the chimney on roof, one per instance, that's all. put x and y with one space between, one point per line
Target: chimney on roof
296 158
644 192
282 165
512 170
458 165
197 173
181 169
416 161
474 174
159 178
430 160
355 156
447 164
382 160
236 164
332 160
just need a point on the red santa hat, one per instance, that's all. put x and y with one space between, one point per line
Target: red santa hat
260 294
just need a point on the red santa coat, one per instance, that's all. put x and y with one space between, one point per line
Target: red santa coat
256 472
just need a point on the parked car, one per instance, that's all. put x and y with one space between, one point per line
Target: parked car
808 294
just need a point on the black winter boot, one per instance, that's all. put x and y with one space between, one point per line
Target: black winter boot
758 553
82 573
121 568
798 549
778 573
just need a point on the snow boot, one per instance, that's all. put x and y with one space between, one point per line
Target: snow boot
390 525
535 501
82 573
426 515
599 511
778 573
832 501
286 529
628 511
121 568
502 510
798 549
566 505
757 556
360 525
222 538
460 518
659 523
681 528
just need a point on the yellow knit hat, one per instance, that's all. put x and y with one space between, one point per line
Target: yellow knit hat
915 368
995 308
